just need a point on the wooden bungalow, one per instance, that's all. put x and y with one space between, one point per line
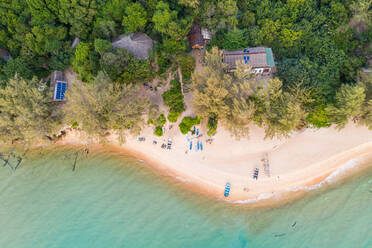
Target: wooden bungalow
199 37
261 59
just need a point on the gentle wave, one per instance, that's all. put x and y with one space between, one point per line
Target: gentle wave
333 177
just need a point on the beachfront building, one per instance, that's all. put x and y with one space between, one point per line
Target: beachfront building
4 54
138 44
59 86
199 37
261 59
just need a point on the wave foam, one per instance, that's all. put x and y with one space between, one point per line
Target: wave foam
330 179
260 197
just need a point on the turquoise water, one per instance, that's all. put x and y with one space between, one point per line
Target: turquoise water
111 201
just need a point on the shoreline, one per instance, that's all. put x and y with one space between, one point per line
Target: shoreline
316 164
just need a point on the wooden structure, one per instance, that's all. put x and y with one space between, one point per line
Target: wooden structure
261 59
199 37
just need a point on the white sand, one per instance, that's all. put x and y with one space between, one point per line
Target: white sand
297 164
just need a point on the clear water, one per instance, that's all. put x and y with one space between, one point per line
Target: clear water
111 201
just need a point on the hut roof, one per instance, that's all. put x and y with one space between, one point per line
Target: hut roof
138 44
195 37
255 57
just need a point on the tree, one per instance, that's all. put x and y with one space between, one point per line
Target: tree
173 98
121 66
348 102
219 14
187 123
279 112
102 46
189 3
103 106
26 112
166 22
135 18
16 66
82 61
219 96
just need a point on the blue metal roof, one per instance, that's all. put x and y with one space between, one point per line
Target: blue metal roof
60 90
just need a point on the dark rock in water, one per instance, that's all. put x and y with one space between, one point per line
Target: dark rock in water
294 224
279 235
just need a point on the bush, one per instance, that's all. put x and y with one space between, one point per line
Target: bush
187 65
75 125
173 116
187 123
173 98
319 117
212 125
158 131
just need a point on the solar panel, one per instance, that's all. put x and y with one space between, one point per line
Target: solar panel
59 93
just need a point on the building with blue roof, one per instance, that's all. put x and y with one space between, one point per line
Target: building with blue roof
260 59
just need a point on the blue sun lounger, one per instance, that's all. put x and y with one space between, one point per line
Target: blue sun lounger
201 146
197 132
190 145
227 190
198 145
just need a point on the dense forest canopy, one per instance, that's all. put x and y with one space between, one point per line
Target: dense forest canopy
319 48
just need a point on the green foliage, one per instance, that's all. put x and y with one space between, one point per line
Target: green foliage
103 106
26 112
173 116
232 40
82 61
348 102
187 65
16 66
121 66
318 117
173 98
187 123
219 14
158 131
102 46
135 18
212 125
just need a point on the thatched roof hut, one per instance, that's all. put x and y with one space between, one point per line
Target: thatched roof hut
138 44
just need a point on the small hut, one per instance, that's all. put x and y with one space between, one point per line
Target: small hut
138 44
59 85
199 37
4 54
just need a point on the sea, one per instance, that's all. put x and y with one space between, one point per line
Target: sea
78 198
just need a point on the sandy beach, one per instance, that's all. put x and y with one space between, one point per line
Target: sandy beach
305 161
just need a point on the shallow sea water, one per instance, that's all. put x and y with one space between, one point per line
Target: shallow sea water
114 201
